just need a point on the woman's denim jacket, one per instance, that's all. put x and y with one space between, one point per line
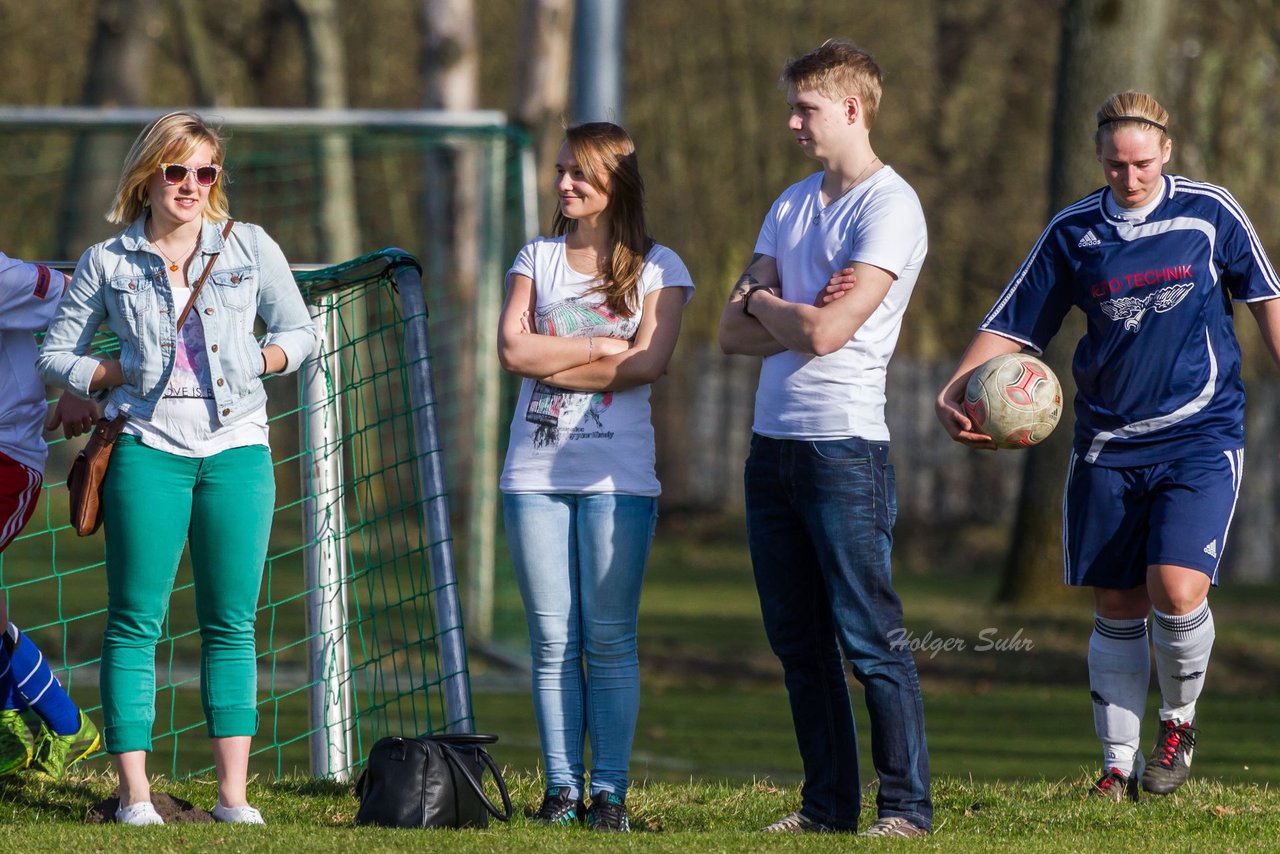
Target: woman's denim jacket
122 281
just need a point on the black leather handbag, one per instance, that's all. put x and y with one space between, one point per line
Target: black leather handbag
433 781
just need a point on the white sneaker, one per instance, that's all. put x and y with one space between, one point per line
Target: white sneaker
237 815
138 815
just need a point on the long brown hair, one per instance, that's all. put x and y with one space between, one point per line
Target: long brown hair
607 157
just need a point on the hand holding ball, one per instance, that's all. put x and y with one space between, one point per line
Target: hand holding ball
1015 399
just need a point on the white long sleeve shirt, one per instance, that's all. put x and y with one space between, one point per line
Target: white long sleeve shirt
29 295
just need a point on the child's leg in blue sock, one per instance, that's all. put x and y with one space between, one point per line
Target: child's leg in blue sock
34 683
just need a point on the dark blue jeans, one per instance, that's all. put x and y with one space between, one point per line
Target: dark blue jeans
820 525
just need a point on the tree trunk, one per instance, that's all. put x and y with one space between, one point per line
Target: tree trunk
1107 46
452 270
327 89
543 96
337 233
194 38
118 73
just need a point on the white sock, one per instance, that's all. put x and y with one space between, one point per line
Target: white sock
1182 646
1119 672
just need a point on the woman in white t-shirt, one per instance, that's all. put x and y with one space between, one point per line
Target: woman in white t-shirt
591 319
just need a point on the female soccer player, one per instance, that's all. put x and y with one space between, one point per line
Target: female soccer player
192 465
591 320
1153 261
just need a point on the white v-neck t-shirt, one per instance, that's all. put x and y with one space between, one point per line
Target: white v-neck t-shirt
840 395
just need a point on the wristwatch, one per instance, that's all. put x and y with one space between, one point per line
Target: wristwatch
746 298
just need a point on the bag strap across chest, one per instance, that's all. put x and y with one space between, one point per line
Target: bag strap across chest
195 289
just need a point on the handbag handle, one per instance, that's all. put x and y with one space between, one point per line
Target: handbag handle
464 738
457 763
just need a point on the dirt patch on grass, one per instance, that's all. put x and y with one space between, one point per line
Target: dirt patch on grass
172 810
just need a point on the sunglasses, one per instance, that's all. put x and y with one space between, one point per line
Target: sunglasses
176 173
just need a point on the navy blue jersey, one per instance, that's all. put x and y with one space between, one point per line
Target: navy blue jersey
1158 370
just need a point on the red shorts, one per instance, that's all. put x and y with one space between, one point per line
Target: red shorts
19 489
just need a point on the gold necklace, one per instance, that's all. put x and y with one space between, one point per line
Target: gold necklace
858 180
173 265
817 217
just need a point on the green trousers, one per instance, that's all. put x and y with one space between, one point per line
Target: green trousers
155 503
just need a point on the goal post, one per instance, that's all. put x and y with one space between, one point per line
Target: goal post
327 533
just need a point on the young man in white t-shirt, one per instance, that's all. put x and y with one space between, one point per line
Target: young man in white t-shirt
822 301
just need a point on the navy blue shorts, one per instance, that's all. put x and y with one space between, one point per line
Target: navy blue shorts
1118 521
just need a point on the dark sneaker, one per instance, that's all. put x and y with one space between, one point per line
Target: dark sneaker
608 812
558 808
15 742
798 822
1170 763
894 826
56 753
1116 785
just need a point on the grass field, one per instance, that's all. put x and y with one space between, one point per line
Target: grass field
713 706
693 816
1009 725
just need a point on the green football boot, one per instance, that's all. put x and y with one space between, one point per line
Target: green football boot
15 742
55 753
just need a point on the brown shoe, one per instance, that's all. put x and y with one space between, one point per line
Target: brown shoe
894 826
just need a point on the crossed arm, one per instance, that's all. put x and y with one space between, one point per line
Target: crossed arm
598 363
774 324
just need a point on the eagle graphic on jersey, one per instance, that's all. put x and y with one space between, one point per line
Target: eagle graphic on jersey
1132 309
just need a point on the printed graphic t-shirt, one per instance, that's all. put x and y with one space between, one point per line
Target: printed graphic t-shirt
584 442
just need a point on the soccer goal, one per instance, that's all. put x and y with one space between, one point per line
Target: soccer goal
360 627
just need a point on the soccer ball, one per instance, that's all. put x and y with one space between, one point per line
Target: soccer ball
1015 399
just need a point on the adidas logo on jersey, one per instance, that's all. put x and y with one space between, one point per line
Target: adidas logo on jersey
1089 239
1212 549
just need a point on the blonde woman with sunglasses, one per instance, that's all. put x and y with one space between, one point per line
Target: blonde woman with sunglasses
192 465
